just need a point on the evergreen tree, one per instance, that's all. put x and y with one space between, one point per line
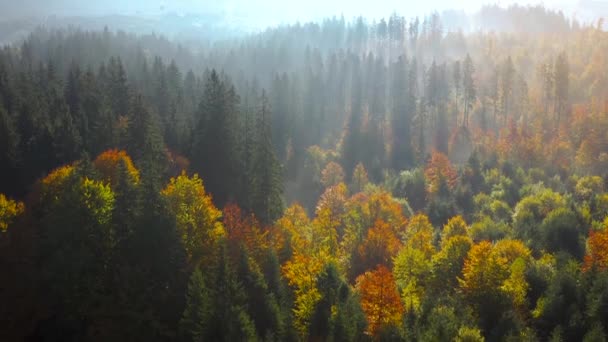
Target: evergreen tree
562 85
262 305
457 78
334 295
9 153
152 281
196 320
117 87
267 201
214 146
67 140
470 93
402 154
352 138
230 318
144 139
507 75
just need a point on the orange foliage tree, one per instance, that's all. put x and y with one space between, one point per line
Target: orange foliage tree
245 230
332 174
380 246
380 299
597 250
439 169
108 164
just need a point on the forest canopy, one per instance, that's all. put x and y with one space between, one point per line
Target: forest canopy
341 180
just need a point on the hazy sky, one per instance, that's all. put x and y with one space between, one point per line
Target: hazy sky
271 12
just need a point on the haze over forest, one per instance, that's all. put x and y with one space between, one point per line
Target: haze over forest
230 17
303 171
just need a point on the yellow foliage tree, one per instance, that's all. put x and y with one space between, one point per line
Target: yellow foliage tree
9 210
456 226
301 272
419 234
412 270
197 219
483 272
360 178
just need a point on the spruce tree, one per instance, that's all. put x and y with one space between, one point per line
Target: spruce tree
352 138
562 87
262 305
470 94
267 200
401 153
9 153
230 317
144 139
214 142
196 320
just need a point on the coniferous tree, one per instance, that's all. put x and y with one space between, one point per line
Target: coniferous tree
230 317
457 78
562 84
262 305
154 267
507 75
402 154
196 320
145 141
214 146
118 89
67 139
9 153
352 138
470 94
267 189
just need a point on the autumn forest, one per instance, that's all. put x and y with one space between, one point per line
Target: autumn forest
340 180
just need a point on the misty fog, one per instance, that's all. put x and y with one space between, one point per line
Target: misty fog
246 16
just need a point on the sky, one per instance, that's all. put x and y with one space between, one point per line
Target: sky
269 12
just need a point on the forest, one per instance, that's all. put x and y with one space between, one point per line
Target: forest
341 180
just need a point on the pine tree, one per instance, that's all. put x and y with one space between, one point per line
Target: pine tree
145 141
562 85
214 148
352 138
247 139
153 279
9 153
267 200
117 87
457 78
67 141
402 154
100 123
470 94
262 305
9 141
231 321
196 320
334 294
507 75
